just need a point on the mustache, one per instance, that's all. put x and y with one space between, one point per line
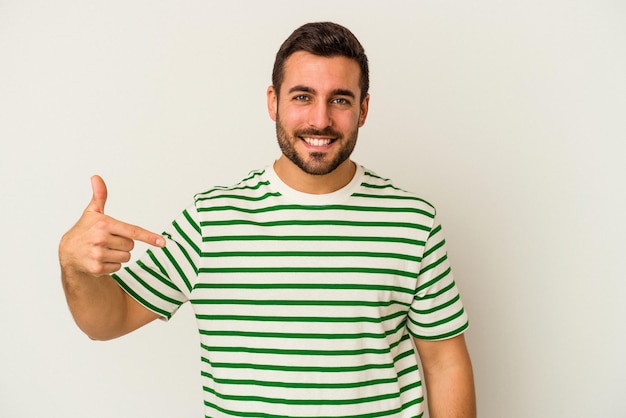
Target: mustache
328 131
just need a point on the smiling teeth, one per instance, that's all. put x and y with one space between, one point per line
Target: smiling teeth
317 142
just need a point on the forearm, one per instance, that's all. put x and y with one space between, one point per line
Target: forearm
449 377
450 392
97 304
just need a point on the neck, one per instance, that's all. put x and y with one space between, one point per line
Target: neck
297 179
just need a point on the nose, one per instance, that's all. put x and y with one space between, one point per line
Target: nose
319 115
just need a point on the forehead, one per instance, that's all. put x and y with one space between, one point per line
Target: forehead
321 73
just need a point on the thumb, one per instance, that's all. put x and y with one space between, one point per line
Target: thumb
99 195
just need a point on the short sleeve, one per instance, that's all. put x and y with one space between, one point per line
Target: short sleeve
437 311
162 279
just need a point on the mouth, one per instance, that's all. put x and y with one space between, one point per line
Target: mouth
317 142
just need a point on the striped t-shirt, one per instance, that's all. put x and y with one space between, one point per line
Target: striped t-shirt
306 304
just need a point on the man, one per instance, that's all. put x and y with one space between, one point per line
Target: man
311 280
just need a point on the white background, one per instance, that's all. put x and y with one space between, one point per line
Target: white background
510 116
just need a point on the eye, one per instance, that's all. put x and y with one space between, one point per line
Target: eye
341 101
301 98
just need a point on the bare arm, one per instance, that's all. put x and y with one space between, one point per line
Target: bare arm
449 378
89 252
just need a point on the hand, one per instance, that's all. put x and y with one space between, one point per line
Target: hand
98 244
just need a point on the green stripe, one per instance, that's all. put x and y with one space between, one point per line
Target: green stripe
307 208
439 307
305 369
369 415
278 302
379 187
294 352
280 351
443 336
298 385
434 231
376 320
311 254
177 267
293 335
440 292
241 197
208 270
191 221
254 334
434 248
434 264
240 186
408 370
324 222
400 356
284 401
156 262
393 197
440 322
340 286
311 238
432 282
187 239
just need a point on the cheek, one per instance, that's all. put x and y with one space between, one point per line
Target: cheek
291 117
349 120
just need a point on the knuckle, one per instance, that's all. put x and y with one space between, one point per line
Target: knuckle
97 254
98 240
101 224
99 232
96 269
133 232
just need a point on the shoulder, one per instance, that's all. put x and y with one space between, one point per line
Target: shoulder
378 187
254 186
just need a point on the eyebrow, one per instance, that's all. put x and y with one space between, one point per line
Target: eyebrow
336 92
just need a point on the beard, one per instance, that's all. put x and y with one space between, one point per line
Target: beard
315 163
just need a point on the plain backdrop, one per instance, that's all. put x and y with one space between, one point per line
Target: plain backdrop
510 116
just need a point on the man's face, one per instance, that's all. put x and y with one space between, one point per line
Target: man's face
318 112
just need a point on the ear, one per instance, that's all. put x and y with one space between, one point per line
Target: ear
364 108
272 103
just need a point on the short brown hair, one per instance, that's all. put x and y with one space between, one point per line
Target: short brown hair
326 39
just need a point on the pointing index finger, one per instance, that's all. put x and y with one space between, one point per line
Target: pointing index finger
137 233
